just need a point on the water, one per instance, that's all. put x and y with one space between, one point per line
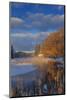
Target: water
21 69
30 80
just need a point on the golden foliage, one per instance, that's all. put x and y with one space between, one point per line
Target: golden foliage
53 45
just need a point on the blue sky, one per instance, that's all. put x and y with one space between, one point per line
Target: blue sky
32 23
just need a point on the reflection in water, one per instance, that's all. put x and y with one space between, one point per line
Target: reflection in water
33 80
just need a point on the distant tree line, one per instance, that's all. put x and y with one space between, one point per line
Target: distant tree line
19 54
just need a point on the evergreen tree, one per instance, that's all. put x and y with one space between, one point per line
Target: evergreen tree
12 52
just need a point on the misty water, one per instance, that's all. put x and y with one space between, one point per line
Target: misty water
30 79
21 69
17 69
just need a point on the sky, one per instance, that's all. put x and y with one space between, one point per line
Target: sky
30 24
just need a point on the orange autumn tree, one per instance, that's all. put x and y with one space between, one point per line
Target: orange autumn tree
53 45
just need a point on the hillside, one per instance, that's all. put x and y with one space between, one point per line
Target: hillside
53 45
21 54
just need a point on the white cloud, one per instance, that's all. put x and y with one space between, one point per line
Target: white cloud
16 21
27 41
25 35
45 22
58 18
39 21
30 35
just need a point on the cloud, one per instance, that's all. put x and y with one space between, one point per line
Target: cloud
27 41
42 22
21 35
25 35
39 22
14 21
46 22
35 36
